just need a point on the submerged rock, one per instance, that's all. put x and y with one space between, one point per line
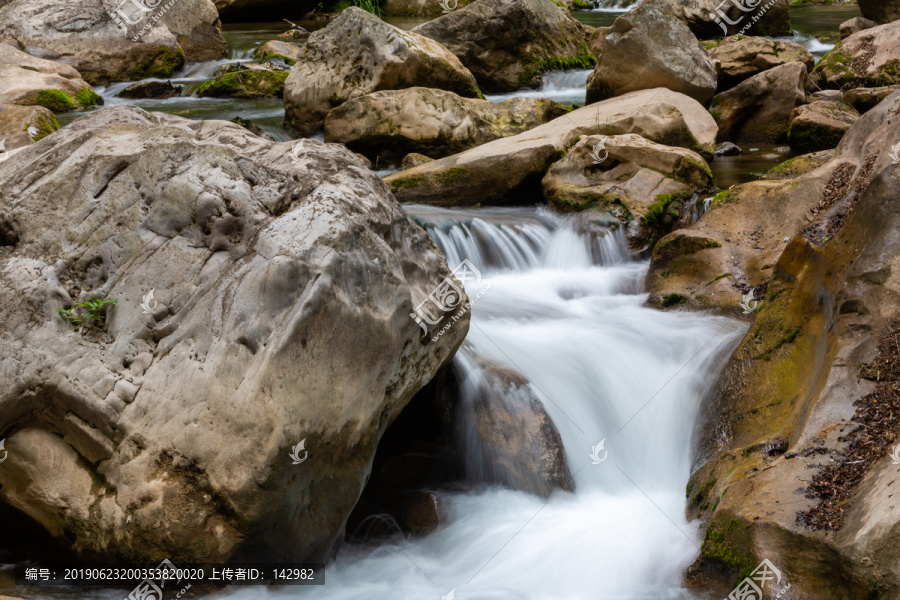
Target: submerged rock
509 170
263 292
393 123
358 54
759 109
509 44
743 57
865 59
646 49
27 80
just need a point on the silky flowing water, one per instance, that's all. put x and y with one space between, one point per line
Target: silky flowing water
566 309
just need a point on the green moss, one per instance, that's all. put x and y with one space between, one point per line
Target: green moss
251 83
728 542
87 97
274 55
46 124
723 198
585 60
672 300
55 100
161 64
662 215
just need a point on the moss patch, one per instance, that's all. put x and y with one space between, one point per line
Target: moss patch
55 100
250 83
728 542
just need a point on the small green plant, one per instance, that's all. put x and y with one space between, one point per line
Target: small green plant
93 313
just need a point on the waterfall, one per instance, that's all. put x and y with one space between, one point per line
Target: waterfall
615 5
565 307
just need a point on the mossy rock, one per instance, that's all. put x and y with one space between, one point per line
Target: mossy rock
59 101
250 83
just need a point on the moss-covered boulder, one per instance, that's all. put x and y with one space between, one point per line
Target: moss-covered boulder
647 48
870 58
508 44
27 80
509 170
820 125
393 123
287 52
246 83
357 54
21 126
759 109
743 57
647 186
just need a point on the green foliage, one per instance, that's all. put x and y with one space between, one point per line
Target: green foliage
87 97
55 100
45 126
92 313
673 300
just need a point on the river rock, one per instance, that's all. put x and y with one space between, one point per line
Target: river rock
821 353
728 149
151 89
594 37
245 81
880 11
704 17
196 26
23 125
647 186
422 8
759 109
510 169
393 123
264 293
414 159
865 59
865 99
508 44
743 57
854 25
357 54
277 49
820 125
25 79
646 49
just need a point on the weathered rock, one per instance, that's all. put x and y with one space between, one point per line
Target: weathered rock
103 51
293 34
510 169
780 416
357 54
254 129
393 123
253 82
865 99
646 185
880 11
706 20
728 149
820 125
151 89
27 80
282 287
422 8
286 51
869 58
414 159
508 44
646 49
595 37
759 109
744 57
23 125
855 25
734 246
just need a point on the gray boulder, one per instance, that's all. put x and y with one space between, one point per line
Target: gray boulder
880 11
715 18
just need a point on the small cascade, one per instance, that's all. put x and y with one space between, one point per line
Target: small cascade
565 87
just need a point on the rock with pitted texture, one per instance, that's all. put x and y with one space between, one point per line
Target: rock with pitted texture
869 58
264 293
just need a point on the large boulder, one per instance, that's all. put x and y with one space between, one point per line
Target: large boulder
792 461
646 49
509 170
759 109
246 81
508 44
109 41
23 125
715 18
393 123
869 58
646 185
880 11
263 313
357 54
27 80
820 125
743 57
855 25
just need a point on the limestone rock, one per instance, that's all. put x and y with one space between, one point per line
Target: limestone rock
27 80
820 125
880 11
742 58
868 58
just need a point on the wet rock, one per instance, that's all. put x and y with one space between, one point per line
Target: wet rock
509 44
275 49
880 11
254 129
647 186
150 89
820 125
393 123
414 159
23 125
728 149
418 513
509 170
282 281
253 82
743 57
704 17
357 54
27 80
759 109
865 99
645 49
855 25
868 58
